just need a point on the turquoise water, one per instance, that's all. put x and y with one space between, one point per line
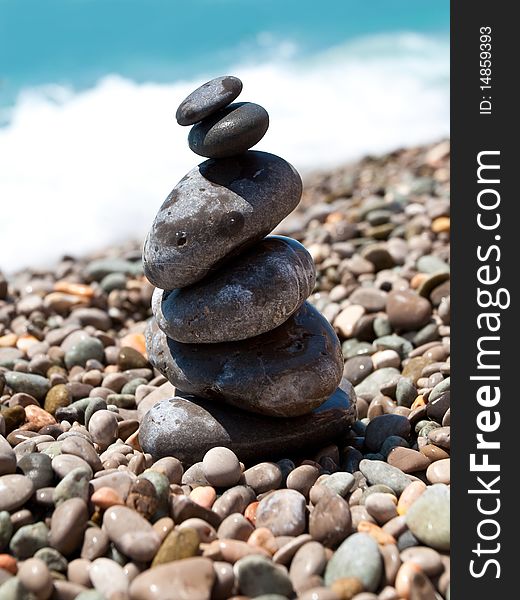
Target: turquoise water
88 90
76 42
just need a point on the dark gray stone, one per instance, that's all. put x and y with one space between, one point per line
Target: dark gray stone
188 427
215 211
254 293
285 372
358 368
208 98
436 409
384 426
230 131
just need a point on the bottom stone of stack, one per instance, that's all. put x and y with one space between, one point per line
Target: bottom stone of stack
286 372
187 428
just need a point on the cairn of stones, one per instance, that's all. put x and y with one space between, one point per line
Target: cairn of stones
255 366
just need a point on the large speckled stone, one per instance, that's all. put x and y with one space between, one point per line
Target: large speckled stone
218 208
429 517
252 294
283 512
208 98
285 372
231 130
358 556
188 428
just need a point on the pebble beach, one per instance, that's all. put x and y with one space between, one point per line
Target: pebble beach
355 507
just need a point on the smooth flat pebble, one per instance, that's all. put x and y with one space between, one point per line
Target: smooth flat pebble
429 517
35 577
15 490
207 99
407 311
263 477
108 578
379 472
191 578
230 131
358 556
133 535
255 293
285 372
309 560
257 575
164 430
330 521
245 197
68 524
283 512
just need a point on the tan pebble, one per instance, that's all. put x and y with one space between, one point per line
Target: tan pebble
374 531
206 532
404 578
381 506
169 466
407 460
35 577
106 497
439 471
232 550
131 533
391 562
441 225
76 289
263 538
8 563
347 319
418 279
133 441
347 587
320 593
103 428
135 341
221 467
78 571
418 402
359 513
191 578
8 340
131 571
409 496
163 527
25 341
388 593
204 495
302 479
433 453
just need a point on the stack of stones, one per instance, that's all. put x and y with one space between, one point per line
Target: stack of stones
255 367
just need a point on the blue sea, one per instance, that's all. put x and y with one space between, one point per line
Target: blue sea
89 147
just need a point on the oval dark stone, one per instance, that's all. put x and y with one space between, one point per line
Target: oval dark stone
254 293
231 130
208 98
216 210
188 427
285 372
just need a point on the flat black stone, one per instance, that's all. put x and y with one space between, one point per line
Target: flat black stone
254 293
208 98
216 210
229 131
286 372
187 428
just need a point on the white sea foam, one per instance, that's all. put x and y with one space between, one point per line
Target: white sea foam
79 171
